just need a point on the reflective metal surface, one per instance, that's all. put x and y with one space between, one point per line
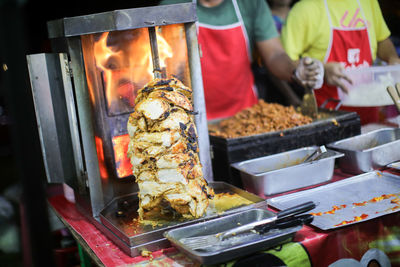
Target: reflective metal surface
360 195
125 19
199 102
236 246
286 171
50 89
370 151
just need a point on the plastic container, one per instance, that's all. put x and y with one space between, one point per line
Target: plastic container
369 86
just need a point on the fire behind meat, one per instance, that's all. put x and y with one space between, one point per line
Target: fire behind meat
164 151
260 118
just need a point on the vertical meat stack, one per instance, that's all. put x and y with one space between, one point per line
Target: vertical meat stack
163 150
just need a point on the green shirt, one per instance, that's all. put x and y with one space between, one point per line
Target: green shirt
256 15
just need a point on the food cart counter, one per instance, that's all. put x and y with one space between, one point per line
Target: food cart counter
374 239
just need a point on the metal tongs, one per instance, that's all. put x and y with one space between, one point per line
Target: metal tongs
316 154
281 219
394 93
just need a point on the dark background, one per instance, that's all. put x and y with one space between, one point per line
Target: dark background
23 31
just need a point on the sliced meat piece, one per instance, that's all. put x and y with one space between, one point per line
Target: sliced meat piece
173 97
147 176
172 161
153 108
132 125
179 202
137 159
173 121
166 138
171 176
196 172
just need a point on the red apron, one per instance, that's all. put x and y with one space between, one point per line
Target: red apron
351 47
225 63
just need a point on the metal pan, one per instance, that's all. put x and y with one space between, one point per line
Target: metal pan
286 171
236 246
353 196
370 151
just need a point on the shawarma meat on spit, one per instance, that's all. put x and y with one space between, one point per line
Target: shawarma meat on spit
163 150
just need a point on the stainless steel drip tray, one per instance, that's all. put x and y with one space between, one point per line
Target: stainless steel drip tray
120 216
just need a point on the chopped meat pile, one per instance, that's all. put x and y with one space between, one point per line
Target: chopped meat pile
260 118
164 151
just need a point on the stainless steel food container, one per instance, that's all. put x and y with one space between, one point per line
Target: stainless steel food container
366 152
285 171
237 246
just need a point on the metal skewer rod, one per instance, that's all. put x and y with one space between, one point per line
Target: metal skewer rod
154 52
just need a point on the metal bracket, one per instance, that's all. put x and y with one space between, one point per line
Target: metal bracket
56 117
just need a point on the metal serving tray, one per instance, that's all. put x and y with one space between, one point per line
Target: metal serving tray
233 247
351 192
370 151
285 171
136 235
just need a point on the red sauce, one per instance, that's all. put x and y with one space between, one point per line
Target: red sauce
332 211
396 200
360 203
356 219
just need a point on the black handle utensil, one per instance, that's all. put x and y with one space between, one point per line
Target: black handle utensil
301 208
286 223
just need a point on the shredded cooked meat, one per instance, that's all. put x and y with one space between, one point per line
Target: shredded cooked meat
260 118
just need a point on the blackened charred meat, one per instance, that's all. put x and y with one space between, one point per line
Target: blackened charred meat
163 82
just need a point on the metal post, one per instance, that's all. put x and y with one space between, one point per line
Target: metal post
199 100
154 52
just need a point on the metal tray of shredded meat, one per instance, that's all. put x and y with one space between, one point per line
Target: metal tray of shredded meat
233 247
352 200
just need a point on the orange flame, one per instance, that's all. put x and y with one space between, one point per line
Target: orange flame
128 64
124 166
100 157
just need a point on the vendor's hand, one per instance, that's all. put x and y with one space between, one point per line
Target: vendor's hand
334 76
310 73
394 61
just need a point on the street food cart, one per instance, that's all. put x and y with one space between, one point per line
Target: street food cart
84 93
